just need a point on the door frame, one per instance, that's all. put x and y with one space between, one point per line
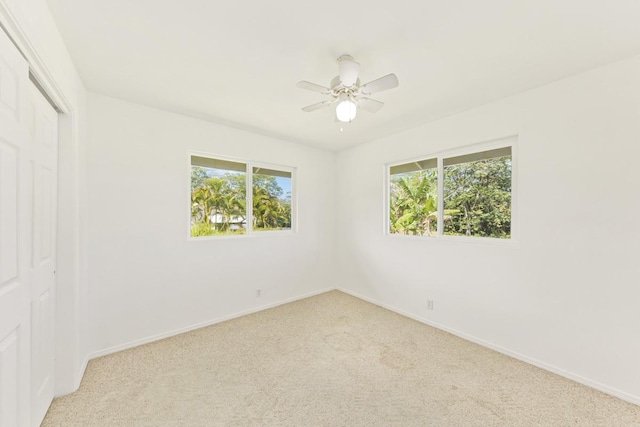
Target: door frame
71 303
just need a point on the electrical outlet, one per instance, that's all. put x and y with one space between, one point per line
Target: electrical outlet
429 304
258 293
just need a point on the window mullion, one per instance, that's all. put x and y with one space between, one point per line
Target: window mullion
249 198
440 198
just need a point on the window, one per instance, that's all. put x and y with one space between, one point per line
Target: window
472 189
271 199
413 190
220 200
477 194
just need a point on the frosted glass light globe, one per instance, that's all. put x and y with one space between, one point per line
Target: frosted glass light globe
346 111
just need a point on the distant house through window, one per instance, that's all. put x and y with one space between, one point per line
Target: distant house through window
220 200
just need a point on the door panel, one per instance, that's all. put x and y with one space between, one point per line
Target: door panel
9 380
42 153
15 293
8 212
10 76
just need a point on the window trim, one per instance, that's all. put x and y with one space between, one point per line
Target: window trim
249 164
502 142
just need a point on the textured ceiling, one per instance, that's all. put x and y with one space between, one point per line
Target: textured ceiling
237 63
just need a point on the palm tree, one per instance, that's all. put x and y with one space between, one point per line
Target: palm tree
217 199
414 203
268 211
201 203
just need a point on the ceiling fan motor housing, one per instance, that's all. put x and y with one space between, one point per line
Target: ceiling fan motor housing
348 69
338 88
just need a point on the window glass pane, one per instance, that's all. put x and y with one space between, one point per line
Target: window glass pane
477 194
413 198
271 199
218 197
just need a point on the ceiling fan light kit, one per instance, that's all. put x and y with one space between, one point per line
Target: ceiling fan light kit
347 91
346 109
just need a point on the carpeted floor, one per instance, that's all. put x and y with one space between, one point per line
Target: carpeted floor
329 360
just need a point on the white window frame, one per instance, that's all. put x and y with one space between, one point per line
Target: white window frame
509 141
250 164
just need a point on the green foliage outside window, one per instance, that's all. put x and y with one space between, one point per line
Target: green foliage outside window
219 206
476 199
414 203
271 208
480 193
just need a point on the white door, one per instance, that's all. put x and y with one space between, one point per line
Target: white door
42 153
15 293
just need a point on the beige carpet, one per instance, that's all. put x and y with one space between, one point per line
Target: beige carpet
330 360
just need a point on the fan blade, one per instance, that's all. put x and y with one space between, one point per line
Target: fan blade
383 83
349 69
370 105
303 84
317 106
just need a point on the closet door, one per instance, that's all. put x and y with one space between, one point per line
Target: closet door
15 292
42 173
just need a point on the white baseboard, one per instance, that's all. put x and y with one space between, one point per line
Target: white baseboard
562 372
81 371
76 380
195 326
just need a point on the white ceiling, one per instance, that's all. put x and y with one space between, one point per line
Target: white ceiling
237 62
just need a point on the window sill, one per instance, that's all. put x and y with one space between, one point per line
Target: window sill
487 241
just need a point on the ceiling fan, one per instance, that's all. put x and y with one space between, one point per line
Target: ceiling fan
347 91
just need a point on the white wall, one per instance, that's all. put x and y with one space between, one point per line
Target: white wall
565 295
32 28
147 280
